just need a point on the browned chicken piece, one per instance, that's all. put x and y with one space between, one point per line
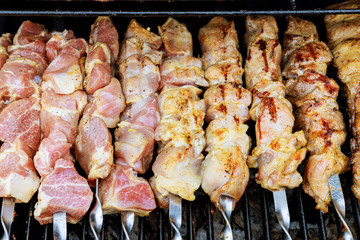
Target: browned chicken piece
344 39
221 58
317 113
224 170
177 39
297 34
180 135
342 26
279 151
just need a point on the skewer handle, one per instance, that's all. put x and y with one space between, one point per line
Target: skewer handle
282 212
59 226
127 222
226 206
96 217
339 204
7 216
175 214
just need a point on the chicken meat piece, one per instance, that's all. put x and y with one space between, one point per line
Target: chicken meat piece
5 41
123 190
135 30
227 100
63 190
18 176
21 120
224 170
176 38
134 137
260 28
140 78
107 103
182 70
298 33
66 72
30 32
57 43
104 31
97 68
177 170
93 148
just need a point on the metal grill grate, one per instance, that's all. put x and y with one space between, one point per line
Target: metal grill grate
253 217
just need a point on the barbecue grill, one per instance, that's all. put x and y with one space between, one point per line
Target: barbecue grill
253 217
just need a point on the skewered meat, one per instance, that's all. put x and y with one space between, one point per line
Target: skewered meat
344 41
17 173
21 120
22 71
122 190
5 41
279 151
93 147
63 190
179 134
65 73
224 170
62 105
317 112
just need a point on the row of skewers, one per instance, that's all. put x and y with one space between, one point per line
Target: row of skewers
57 107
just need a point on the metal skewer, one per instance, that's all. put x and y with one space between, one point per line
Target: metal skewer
282 212
127 222
175 212
59 226
339 204
96 217
7 216
226 206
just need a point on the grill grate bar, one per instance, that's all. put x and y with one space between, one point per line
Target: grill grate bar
161 224
321 225
189 220
247 222
265 214
210 227
87 13
302 217
141 228
356 215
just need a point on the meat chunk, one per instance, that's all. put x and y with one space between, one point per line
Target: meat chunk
18 178
135 30
93 148
21 120
122 190
177 39
104 31
63 190
5 41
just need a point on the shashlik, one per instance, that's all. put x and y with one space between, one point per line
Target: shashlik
344 40
123 190
179 134
317 112
224 170
62 189
279 151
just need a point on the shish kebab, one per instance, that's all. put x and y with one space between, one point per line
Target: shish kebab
177 168
224 171
279 151
63 196
317 113
123 191
93 146
344 41
20 77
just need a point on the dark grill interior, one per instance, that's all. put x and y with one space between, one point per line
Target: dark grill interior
253 217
